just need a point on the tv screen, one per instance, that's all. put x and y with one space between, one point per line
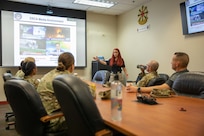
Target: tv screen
43 37
194 16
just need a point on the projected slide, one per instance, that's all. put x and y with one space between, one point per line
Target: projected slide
43 37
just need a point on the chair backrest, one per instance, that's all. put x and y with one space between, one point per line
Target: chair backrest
164 76
101 76
27 107
191 83
156 81
77 104
7 76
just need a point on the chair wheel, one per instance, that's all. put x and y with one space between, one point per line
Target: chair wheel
7 128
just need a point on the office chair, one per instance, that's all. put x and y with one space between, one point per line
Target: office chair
8 76
101 76
190 84
164 76
31 119
77 104
156 81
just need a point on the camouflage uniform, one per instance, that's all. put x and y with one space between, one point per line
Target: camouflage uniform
145 79
46 91
120 78
20 74
31 80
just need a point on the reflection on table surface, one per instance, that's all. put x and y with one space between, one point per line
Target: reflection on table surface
178 115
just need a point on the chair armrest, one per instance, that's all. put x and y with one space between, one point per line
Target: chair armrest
51 116
104 132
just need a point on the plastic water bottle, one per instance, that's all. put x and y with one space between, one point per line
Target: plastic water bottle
116 99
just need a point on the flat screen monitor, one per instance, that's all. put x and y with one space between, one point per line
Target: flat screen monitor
194 16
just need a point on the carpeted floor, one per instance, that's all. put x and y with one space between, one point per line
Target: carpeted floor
3 124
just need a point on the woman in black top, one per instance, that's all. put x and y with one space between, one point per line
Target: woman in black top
117 65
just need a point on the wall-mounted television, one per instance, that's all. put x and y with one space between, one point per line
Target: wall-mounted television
192 15
27 33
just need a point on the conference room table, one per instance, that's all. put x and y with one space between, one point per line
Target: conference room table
175 116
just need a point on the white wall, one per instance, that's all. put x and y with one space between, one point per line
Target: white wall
159 42
105 32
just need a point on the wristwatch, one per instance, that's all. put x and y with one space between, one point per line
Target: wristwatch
139 90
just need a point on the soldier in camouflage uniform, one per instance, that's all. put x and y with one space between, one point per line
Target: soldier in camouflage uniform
179 64
46 91
152 67
29 69
20 73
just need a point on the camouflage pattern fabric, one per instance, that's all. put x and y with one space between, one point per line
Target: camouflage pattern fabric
93 91
105 94
32 80
162 93
145 79
120 77
20 74
46 91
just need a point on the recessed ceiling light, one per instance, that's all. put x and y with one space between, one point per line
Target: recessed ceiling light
97 3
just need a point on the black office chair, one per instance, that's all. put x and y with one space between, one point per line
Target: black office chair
190 84
164 76
31 119
101 76
77 104
156 81
8 76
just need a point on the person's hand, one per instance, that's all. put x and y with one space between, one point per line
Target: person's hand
131 89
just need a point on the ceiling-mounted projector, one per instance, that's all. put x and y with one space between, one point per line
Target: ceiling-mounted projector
49 10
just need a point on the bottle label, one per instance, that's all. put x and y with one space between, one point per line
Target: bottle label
116 100
116 104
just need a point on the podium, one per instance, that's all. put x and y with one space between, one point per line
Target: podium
98 66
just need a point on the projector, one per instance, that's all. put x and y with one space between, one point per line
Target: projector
49 12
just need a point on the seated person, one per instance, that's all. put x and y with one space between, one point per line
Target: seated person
152 67
179 64
20 73
29 69
46 91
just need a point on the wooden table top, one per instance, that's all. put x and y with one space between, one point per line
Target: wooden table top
162 119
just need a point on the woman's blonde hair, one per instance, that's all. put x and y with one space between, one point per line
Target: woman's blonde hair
29 59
